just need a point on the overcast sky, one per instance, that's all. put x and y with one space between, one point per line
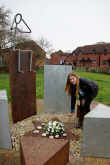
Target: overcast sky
67 24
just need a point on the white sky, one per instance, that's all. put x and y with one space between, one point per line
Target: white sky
67 24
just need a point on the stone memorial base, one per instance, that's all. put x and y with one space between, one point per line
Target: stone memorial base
96 133
67 131
43 151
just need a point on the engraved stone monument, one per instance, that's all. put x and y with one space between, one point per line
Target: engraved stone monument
5 139
96 133
55 99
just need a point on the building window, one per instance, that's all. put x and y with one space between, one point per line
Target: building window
67 56
0 58
79 61
94 52
73 53
104 62
105 51
80 53
94 61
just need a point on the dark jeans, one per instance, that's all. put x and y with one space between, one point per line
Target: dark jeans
86 105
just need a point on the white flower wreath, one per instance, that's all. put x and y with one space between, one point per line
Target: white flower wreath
54 128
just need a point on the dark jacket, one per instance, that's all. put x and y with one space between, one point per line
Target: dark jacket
90 88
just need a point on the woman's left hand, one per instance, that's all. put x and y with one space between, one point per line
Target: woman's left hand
83 102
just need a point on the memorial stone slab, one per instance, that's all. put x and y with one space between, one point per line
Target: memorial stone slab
96 133
5 138
55 99
22 84
39 151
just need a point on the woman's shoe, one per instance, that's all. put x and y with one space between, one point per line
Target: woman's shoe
70 114
79 125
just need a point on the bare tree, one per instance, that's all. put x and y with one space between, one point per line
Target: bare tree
45 44
7 36
5 33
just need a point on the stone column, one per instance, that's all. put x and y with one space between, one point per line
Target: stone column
5 139
22 84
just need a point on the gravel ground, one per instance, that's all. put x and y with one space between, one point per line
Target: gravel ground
20 128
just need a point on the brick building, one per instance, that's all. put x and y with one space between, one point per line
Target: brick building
57 57
92 55
88 55
47 61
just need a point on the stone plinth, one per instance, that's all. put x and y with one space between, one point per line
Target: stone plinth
55 99
41 151
5 139
67 131
96 133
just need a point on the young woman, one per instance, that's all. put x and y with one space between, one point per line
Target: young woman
85 89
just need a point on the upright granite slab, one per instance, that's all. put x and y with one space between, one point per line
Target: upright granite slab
96 133
41 151
5 139
55 99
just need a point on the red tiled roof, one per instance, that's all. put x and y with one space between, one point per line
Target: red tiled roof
89 48
61 54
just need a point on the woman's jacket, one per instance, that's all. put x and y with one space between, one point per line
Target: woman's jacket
90 88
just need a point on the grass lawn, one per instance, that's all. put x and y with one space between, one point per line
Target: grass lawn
102 80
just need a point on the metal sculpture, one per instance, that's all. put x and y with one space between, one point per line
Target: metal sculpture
16 28
22 86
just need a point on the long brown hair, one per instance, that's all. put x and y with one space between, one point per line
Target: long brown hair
68 86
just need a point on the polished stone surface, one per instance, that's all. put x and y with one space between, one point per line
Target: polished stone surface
41 131
55 99
96 133
5 138
43 151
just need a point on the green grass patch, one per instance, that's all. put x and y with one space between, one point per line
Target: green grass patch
5 84
40 84
103 81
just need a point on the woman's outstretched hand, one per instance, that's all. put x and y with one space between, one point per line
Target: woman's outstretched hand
83 102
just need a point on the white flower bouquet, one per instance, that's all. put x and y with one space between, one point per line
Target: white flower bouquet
54 128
